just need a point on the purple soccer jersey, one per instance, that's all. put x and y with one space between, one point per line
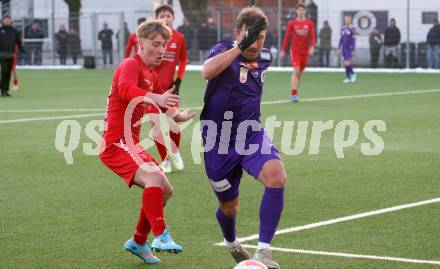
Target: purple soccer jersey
232 100
347 42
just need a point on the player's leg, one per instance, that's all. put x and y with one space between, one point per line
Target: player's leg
157 189
6 75
3 76
14 79
266 166
273 177
175 136
227 214
296 76
159 140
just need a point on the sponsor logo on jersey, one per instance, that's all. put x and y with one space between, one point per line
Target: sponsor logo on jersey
243 74
265 55
221 185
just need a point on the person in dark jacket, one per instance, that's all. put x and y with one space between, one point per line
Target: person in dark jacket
391 43
105 36
34 47
375 41
202 39
73 44
187 31
62 38
325 44
9 39
433 40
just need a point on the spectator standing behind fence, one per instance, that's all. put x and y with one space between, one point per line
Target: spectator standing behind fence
202 39
187 31
105 36
391 44
433 40
126 35
325 45
34 47
9 39
375 46
73 45
61 38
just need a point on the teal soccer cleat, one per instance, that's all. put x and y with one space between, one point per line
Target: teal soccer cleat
142 251
164 243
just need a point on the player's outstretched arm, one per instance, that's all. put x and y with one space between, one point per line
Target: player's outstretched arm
217 64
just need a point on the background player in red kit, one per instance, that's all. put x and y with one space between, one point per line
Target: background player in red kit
132 43
174 56
130 98
303 43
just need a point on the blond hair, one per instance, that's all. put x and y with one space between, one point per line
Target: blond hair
248 16
152 27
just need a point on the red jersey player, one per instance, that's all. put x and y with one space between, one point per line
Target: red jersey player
174 56
132 42
132 86
303 43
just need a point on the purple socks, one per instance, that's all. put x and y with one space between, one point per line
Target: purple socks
270 212
227 225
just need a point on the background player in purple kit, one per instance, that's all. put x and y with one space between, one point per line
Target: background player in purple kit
235 71
347 43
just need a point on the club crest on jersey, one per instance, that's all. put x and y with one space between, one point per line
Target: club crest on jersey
173 45
243 74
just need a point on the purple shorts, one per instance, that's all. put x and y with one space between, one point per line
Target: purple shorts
224 171
347 54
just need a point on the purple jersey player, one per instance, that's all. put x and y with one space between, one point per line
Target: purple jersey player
237 142
347 43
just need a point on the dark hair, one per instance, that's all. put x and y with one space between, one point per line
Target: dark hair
7 16
164 8
248 16
300 5
141 20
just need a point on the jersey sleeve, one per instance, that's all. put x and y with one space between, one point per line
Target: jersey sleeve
287 36
128 80
219 48
183 60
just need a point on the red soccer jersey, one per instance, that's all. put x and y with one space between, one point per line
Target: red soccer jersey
303 36
131 43
175 55
131 79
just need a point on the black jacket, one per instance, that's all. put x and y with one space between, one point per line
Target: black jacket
391 37
434 36
9 38
105 36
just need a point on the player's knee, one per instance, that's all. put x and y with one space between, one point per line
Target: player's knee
229 209
276 180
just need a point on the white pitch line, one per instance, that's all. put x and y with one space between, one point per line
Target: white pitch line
342 219
331 98
51 118
349 255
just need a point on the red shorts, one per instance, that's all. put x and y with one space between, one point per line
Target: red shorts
299 60
125 162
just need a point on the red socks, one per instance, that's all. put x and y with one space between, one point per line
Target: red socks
294 92
175 137
152 206
162 149
143 228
